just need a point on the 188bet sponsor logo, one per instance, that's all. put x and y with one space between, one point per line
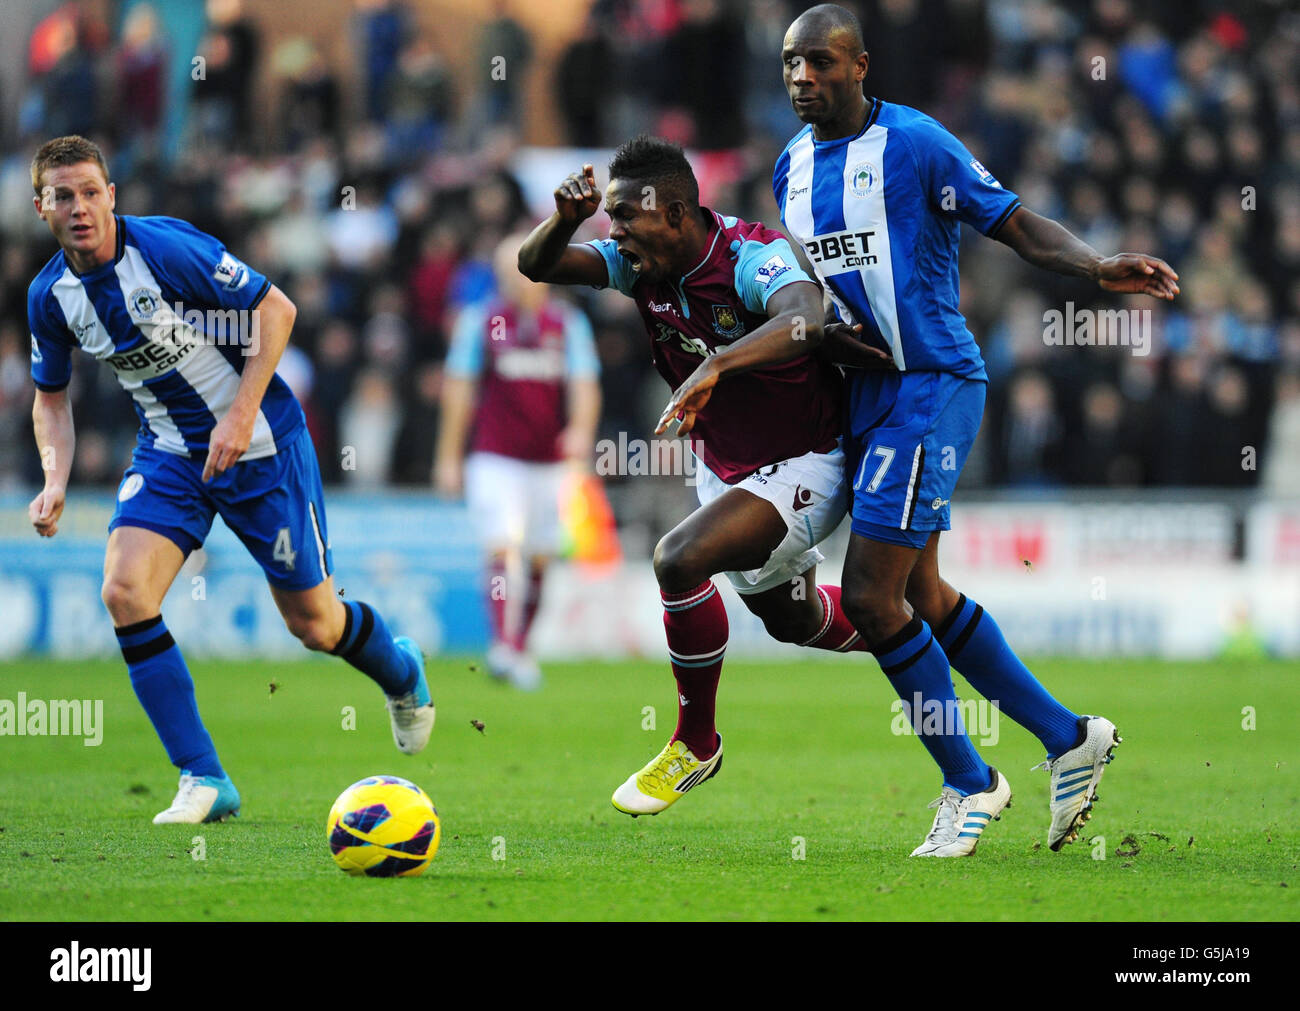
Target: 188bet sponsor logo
837 252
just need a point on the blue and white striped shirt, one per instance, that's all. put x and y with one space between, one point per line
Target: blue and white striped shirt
172 314
878 215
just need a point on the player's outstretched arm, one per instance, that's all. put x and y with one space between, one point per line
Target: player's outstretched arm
230 438
793 329
547 254
1048 244
55 441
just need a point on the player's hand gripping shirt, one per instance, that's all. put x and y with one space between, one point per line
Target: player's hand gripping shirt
171 314
755 418
878 215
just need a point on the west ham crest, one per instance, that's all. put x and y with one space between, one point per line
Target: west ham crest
726 321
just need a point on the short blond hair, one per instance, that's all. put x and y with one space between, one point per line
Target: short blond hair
71 150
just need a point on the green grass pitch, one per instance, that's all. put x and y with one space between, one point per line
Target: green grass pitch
1198 814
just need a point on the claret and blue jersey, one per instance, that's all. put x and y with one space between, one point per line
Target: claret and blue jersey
756 418
139 312
879 216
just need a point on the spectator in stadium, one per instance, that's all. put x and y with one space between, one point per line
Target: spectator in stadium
417 439
313 104
142 70
419 100
504 54
1281 475
581 78
382 27
368 425
223 93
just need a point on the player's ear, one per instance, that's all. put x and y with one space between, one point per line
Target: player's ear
44 200
112 196
864 61
675 214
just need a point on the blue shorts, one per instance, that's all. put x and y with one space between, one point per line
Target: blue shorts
274 504
907 437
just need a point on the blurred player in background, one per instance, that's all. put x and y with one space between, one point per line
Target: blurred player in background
220 434
521 402
875 192
771 473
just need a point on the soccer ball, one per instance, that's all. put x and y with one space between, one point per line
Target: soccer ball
383 827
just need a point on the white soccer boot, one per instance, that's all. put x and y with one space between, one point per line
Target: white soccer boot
412 714
525 674
500 659
1075 775
960 821
200 799
663 781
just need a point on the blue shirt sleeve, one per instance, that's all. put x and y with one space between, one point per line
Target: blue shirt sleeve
197 266
465 356
580 358
51 343
763 269
621 274
956 183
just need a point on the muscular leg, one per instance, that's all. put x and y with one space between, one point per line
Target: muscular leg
736 531
874 586
354 630
876 576
806 614
929 595
139 567
792 612
977 649
315 617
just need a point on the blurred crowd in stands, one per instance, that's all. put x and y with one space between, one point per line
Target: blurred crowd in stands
375 188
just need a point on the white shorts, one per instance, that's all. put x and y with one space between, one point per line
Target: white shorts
812 496
515 504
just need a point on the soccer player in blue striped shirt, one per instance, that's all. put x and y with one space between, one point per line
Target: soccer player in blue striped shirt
194 336
874 193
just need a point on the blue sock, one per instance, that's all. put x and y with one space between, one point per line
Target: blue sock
977 649
368 646
915 664
164 687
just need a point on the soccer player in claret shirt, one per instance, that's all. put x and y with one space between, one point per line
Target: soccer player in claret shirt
875 193
522 395
771 475
220 434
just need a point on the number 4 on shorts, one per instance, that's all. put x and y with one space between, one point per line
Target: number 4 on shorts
886 458
283 550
